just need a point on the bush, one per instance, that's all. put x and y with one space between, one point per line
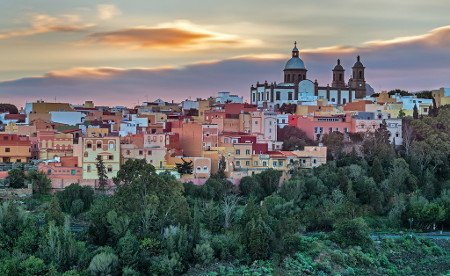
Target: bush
352 232
203 253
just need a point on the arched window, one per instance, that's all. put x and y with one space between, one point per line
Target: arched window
340 77
360 74
344 101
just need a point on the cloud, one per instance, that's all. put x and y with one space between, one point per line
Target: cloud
412 64
44 23
107 11
178 35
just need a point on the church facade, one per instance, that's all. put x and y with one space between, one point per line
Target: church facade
298 89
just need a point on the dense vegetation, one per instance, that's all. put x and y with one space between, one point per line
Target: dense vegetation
318 223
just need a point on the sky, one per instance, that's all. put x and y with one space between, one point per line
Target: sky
129 51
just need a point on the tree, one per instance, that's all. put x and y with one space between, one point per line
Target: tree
40 182
401 113
104 263
54 212
101 173
203 253
72 193
133 169
128 250
249 186
258 239
16 178
222 168
33 266
269 180
229 206
185 167
377 171
334 142
415 112
8 108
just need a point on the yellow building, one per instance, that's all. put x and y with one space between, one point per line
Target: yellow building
87 151
25 130
45 107
441 96
14 148
97 131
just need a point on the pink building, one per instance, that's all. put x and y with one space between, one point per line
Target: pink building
62 173
315 127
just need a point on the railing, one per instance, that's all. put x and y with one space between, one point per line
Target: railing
9 166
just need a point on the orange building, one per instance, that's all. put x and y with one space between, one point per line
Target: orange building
14 148
52 144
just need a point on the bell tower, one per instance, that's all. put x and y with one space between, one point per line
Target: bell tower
338 75
358 81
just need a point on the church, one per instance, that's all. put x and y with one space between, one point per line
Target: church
298 89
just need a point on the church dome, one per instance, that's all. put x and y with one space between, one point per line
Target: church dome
295 63
338 66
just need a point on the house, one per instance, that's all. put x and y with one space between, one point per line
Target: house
14 148
87 150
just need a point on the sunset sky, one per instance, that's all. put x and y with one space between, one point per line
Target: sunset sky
123 52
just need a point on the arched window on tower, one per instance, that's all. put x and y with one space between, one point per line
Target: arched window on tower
340 77
360 74
288 78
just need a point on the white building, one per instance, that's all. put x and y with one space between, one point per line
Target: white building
298 89
67 117
227 97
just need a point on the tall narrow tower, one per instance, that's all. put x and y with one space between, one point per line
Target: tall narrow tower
358 81
338 75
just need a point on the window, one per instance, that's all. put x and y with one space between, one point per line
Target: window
330 130
238 152
86 154
7 150
89 145
111 146
109 168
280 163
88 168
99 144
49 171
345 130
247 151
278 96
205 168
199 169
149 152
247 163
19 160
225 140
255 163
110 157
238 163
254 97
314 161
264 163
73 172
274 163
290 96
141 152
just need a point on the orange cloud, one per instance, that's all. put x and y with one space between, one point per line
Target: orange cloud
43 23
180 35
